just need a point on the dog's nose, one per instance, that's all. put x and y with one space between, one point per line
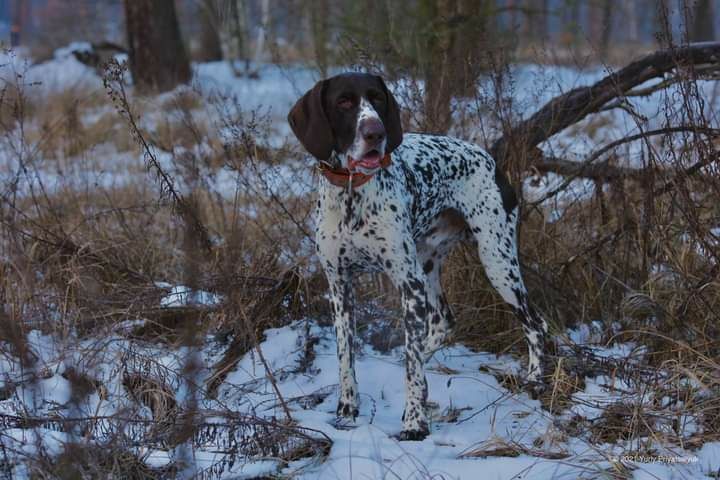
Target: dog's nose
372 130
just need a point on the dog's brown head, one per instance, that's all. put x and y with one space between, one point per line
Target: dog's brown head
352 114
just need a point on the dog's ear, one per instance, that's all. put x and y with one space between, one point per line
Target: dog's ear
310 124
393 125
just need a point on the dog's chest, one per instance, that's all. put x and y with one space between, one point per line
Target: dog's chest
361 238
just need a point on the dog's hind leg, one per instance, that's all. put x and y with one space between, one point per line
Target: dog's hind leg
446 230
494 229
440 318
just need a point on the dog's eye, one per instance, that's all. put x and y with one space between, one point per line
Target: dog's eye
376 100
345 104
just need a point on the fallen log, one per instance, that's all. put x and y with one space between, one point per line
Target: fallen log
515 146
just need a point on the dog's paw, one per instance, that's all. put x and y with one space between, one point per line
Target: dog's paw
347 410
343 423
413 435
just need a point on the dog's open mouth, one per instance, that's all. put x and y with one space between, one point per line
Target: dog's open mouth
369 161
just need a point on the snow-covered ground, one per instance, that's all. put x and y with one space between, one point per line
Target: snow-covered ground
472 414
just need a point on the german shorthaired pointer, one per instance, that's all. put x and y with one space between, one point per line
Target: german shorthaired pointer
399 207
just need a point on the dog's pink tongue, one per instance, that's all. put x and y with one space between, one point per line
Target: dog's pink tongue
370 160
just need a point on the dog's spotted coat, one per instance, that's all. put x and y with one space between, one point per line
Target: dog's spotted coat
437 191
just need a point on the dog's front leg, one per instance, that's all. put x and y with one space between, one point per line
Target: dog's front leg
342 301
407 275
415 310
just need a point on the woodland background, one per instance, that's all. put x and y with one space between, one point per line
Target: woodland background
162 314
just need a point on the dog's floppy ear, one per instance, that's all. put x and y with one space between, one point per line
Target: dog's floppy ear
393 126
310 124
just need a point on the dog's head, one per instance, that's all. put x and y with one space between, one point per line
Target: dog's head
352 114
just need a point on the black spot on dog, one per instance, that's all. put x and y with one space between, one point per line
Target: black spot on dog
428 266
507 192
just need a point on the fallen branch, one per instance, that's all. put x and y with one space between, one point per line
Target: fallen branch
604 171
233 436
571 107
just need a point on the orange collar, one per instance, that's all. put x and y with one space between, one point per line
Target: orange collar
340 177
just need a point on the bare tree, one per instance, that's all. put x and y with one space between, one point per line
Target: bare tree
608 6
702 28
210 45
16 28
239 29
158 60
262 35
438 44
319 10
517 147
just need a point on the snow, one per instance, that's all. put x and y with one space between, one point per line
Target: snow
277 88
180 296
368 449
709 457
64 72
460 381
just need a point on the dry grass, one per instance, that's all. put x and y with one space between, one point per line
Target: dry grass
499 447
81 257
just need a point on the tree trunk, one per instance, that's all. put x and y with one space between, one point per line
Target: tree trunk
606 33
438 45
262 32
571 19
158 61
469 43
239 17
536 18
210 45
319 11
16 28
543 20
630 13
702 23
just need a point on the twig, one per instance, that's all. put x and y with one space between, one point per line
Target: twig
113 82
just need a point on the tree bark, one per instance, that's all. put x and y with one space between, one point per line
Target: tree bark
210 45
438 45
319 11
702 23
17 21
470 32
453 41
158 60
606 33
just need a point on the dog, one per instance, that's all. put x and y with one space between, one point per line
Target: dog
397 203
